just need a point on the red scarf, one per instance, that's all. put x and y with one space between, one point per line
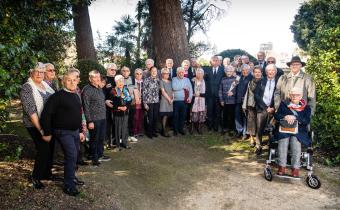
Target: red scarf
297 107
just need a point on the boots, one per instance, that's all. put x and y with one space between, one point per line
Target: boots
295 172
282 171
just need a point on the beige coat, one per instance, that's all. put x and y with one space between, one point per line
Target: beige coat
287 82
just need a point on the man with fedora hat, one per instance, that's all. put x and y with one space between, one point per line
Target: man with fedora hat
295 78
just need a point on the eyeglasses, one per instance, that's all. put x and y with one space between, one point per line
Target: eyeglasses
270 61
50 70
39 72
138 73
113 69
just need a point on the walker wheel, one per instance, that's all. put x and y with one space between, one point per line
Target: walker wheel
268 174
313 182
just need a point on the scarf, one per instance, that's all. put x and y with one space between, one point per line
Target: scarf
297 107
38 100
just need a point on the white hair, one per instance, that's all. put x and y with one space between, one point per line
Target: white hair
119 77
111 65
271 66
93 73
229 68
150 60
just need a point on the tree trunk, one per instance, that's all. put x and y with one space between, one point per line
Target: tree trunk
168 31
82 27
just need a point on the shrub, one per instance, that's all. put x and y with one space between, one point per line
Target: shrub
85 66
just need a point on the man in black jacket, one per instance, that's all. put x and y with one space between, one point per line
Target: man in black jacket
264 100
213 77
62 117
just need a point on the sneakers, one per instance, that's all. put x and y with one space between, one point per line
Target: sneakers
104 158
282 171
133 139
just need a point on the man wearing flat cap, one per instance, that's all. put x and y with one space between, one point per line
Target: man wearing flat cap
295 78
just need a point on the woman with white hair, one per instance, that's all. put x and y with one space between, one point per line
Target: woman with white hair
198 111
167 98
34 94
120 99
293 116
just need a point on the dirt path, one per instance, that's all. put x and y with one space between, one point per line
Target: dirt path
190 174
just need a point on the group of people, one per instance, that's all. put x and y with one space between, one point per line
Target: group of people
237 98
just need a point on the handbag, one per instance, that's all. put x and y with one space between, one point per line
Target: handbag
285 127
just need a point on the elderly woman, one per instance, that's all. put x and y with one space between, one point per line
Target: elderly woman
50 76
198 111
227 96
150 96
111 70
293 113
249 104
182 96
34 94
137 103
166 109
120 100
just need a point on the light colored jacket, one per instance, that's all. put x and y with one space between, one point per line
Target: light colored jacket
287 82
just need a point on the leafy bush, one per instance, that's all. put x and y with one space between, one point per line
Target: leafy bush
324 65
85 66
232 52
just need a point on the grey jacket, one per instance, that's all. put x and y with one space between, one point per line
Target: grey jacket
287 82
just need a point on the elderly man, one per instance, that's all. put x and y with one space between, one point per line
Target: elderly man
111 70
95 113
295 78
50 76
194 66
261 56
169 64
264 100
240 117
279 71
62 117
182 89
213 77
245 59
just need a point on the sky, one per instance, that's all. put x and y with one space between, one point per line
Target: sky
245 25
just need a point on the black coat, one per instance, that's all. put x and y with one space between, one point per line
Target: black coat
259 92
212 82
241 88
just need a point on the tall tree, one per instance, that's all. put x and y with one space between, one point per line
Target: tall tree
82 27
168 31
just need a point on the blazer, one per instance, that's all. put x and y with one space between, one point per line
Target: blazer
212 81
259 92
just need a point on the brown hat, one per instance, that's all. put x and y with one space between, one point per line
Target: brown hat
296 59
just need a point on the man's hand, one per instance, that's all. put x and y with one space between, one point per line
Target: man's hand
47 138
230 93
270 110
82 137
91 125
222 103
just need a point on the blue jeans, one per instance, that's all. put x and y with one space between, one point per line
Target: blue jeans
240 119
180 109
97 136
69 141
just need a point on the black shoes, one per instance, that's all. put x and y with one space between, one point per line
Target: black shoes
95 163
182 132
149 136
78 181
37 184
71 191
154 135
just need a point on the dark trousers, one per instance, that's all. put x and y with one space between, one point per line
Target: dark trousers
110 128
179 116
214 113
69 141
262 119
132 111
240 119
152 118
121 129
97 136
44 157
229 116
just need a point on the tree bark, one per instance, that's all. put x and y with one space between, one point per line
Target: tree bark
168 31
82 27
